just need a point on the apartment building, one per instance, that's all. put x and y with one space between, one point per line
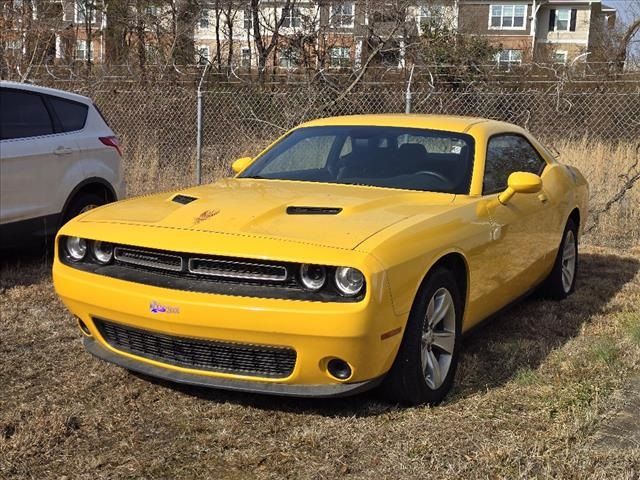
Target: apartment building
557 30
314 33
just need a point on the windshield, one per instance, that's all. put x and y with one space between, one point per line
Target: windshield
393 157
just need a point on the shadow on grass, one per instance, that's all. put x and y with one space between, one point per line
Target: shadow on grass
515 340
27 265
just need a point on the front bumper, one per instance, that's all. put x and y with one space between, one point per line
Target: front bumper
317 391
358 333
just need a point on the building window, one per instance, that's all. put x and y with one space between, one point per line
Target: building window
203 23
342 15
560 56
248 19
430 15
152 54
508 17
508 58
292 17
562 19
13 47
85 9
81 50
339 57
246 57
288 58
202 54
151 10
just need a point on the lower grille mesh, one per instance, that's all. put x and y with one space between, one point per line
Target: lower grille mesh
215 356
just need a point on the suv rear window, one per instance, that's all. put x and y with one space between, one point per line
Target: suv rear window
22 115
71 115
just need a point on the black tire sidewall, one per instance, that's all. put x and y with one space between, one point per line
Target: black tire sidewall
553 287
408 382
79 202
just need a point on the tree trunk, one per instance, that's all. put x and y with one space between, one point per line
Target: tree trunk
186 16
115 35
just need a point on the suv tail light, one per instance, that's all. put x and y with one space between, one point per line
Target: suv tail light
112 142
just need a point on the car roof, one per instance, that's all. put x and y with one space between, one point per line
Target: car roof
451 123
46 90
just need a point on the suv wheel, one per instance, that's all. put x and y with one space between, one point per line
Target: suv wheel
81 203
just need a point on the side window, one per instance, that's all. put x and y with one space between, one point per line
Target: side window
507 154
71 115
23 115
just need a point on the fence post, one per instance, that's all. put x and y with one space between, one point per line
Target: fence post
199 139
199 128
407 97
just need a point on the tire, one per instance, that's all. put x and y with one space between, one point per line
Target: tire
80 204
561 282
411 380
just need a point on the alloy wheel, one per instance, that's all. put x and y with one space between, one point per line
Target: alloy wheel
438 338
568 261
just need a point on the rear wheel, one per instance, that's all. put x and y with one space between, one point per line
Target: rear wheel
425 366
81 203
561 282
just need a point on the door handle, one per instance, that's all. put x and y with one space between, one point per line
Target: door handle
63 151
543 198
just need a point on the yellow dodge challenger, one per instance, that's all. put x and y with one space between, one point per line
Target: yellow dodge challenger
351 253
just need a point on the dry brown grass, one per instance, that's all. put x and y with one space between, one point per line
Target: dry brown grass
534 387
607 167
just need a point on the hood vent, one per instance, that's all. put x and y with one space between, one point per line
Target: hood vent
313 210
183 199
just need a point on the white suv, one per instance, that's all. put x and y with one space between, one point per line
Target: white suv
58 158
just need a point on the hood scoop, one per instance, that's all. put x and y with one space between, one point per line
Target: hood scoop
183 199
295 210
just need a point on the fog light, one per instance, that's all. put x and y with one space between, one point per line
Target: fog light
83 327
339 369
76 247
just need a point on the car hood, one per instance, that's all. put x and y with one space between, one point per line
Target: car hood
332 215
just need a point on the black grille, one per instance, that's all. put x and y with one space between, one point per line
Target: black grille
214 356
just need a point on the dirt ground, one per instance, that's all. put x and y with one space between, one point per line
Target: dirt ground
540 393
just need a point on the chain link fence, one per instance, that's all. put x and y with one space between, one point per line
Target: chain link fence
157 122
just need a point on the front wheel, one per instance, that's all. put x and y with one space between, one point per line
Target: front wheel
425 366
561 282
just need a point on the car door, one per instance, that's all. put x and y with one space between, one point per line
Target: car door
25 145
515 257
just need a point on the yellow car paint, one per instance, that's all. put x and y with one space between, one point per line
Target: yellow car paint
393 236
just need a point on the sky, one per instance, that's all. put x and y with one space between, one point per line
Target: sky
624 7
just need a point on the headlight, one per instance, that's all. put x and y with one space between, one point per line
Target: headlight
76 247
349 281
102 251
313 276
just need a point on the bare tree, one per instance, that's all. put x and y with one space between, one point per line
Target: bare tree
266 31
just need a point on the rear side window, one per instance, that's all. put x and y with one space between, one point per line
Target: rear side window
71 115
23 115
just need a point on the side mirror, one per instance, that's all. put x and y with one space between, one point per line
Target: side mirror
520 182
241 163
